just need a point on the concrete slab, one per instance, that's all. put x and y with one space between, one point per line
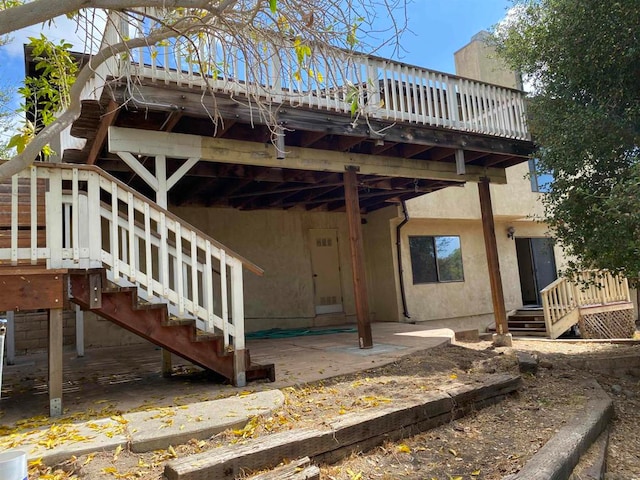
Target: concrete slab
157 429
430 333
149 430
76 439
377 349
128 378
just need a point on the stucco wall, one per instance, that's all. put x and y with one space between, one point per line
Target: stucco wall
514 200
380 248
465 304
278 242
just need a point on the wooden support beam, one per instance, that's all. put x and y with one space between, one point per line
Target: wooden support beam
106 121
220 150
491 247
55 361
357 257
309 138
172 120
31 288
380 149
410 150
460 162
223 126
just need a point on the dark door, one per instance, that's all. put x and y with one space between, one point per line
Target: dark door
537 266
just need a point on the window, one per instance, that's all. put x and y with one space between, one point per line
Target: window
540 181
436 259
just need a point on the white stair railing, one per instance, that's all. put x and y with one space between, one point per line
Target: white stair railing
93 220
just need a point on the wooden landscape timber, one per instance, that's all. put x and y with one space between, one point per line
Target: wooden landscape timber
357 432
296 470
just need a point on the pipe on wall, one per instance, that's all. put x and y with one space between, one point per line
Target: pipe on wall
403 296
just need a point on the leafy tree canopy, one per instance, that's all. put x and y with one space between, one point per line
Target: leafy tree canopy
583 60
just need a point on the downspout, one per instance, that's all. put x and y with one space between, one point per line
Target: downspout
403 295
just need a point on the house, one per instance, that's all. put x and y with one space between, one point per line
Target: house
529 258
165 223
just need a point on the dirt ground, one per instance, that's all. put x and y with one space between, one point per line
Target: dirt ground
488 444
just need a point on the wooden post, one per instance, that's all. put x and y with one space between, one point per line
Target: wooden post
352 204
162 200
55 361
491 247
10 338
79 331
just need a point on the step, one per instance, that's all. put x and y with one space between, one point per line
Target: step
529 312
524 332
526 324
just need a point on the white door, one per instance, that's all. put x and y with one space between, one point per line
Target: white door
325 265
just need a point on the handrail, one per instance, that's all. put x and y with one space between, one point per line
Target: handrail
94 220
589 288
332 80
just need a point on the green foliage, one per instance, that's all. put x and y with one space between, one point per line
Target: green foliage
583 58
46 94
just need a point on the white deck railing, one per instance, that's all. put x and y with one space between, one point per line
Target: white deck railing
93 220
330 79
562 299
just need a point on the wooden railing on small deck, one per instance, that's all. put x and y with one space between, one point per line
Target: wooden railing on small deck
563 299
92 220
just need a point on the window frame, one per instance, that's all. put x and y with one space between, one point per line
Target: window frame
534 177
435 257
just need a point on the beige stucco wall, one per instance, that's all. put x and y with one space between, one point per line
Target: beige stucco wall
466 304
380 253
278 242
513 200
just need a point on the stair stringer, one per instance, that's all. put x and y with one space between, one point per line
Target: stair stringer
152 322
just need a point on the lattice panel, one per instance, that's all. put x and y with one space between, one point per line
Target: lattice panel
615 324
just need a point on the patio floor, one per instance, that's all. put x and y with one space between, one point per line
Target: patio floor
121 379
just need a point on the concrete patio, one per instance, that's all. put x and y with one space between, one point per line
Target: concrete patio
121 379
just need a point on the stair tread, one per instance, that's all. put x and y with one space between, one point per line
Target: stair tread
179 321
528 329
528 324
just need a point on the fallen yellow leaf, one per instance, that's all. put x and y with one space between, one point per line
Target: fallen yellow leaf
117 452
404 448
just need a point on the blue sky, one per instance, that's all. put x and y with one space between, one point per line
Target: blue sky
437 29
440 27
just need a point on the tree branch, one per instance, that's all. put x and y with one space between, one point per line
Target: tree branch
40 11
50 132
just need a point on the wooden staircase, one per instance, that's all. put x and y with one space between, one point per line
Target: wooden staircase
597 300
152 321
527 322
128 260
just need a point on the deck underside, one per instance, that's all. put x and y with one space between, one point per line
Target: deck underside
176 109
